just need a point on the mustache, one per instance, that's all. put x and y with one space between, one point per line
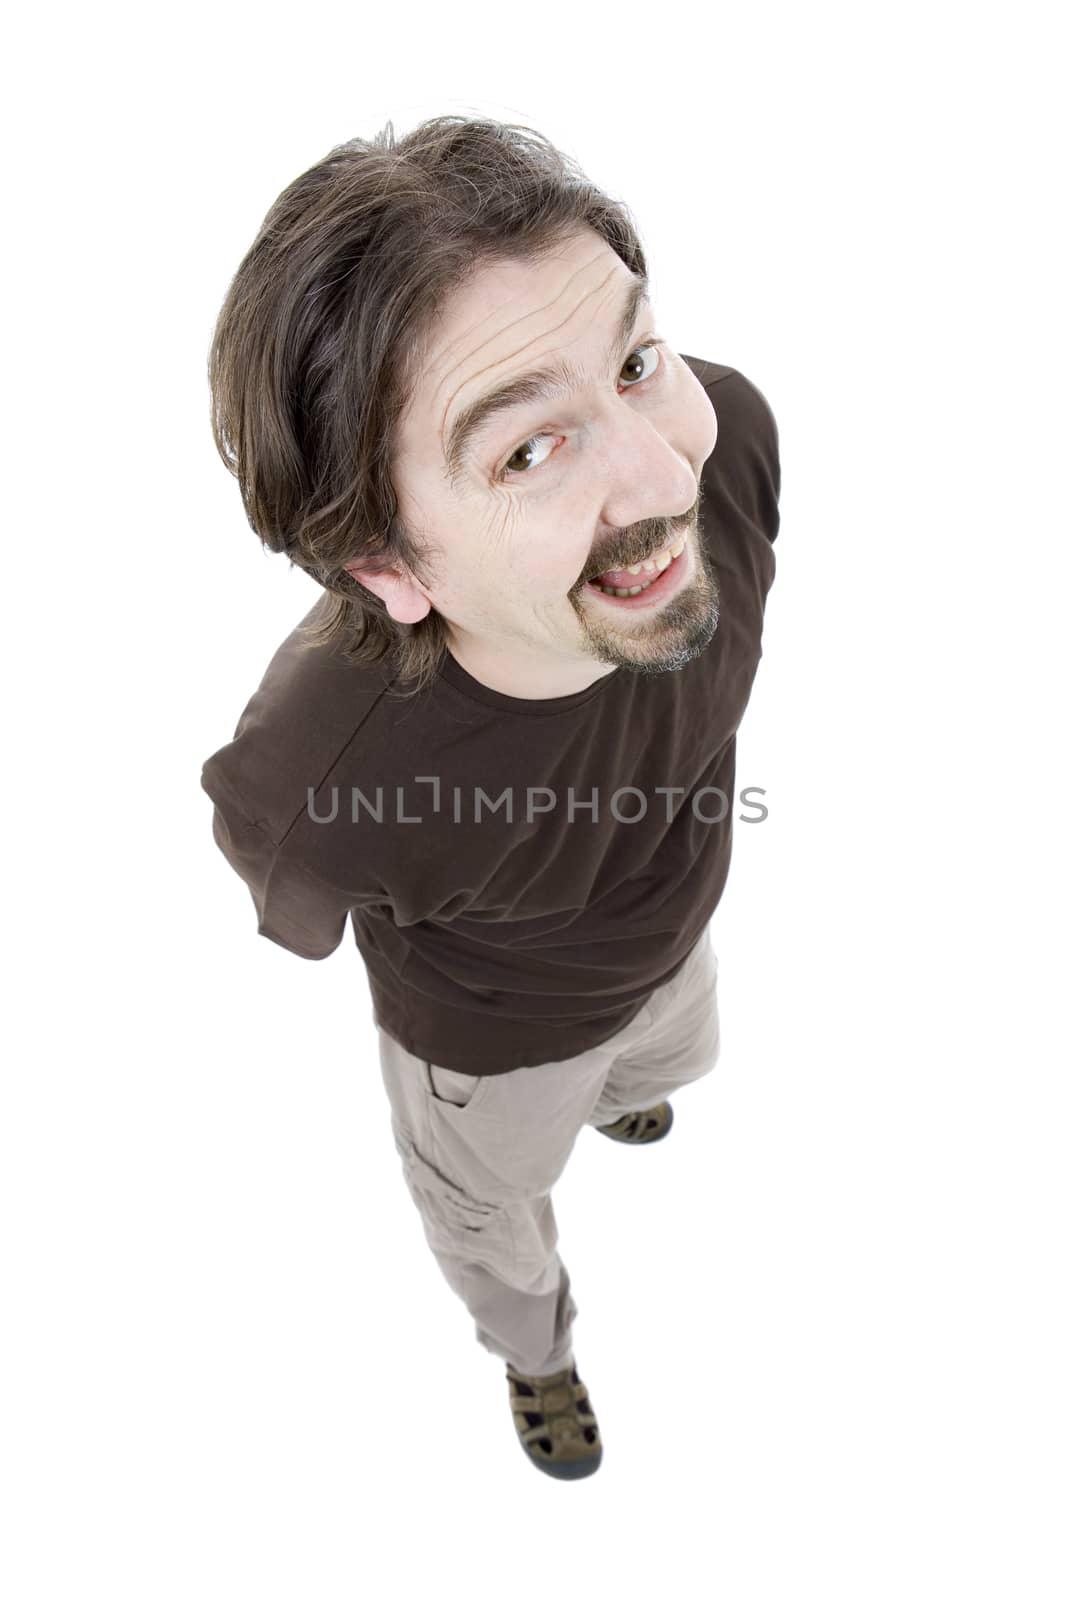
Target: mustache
642 546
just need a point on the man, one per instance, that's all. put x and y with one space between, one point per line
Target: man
531 843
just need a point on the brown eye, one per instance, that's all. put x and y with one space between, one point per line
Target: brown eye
523 451
639 356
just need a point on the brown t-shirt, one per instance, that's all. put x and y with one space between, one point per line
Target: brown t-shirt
499 935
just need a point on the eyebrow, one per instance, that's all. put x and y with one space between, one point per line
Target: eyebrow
531 388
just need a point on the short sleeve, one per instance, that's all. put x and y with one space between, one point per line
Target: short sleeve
294 908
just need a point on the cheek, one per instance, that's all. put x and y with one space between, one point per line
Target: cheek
537 551
689 420
712 430
549 561
522 548
485 543
702 423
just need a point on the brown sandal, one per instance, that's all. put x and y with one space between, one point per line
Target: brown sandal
555 1422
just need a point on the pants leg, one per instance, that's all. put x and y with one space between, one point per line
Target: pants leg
480 1168
480 1156
680 1044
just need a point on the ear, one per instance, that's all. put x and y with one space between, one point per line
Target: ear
404 600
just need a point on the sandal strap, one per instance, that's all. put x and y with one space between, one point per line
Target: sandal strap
556 1400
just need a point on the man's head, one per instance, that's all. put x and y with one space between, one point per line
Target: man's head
391 291
518 508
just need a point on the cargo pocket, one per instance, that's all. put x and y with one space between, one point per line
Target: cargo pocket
445 1207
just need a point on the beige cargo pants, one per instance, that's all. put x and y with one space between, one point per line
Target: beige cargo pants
480 1155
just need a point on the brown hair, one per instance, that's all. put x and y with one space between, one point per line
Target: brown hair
318 344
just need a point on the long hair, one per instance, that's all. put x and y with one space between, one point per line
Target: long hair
325 326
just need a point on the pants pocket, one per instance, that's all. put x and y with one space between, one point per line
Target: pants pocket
444 1202
452 1088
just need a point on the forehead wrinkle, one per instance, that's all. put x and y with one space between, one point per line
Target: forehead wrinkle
548 331
529 388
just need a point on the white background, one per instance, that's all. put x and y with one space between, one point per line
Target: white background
823 1324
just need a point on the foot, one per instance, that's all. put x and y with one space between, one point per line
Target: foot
555 1422
641 1127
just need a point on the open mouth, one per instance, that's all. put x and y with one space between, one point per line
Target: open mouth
649 588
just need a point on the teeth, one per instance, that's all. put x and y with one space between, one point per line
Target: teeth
655 565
